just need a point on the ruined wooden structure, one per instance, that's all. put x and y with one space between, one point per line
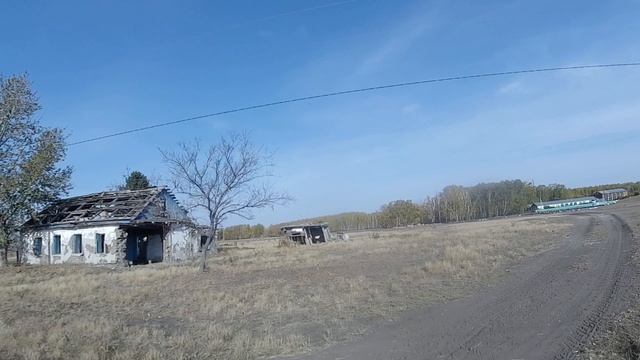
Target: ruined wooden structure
128 227
307 234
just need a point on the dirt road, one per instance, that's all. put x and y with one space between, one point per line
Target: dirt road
547 308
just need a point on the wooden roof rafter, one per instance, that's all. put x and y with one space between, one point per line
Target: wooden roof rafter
126 205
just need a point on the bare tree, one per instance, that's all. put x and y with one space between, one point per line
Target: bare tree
225 179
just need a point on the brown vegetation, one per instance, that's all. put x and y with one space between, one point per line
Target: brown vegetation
256 302
621 341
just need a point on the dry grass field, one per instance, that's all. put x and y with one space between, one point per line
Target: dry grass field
256 303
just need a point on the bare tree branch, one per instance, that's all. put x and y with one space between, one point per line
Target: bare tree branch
227 179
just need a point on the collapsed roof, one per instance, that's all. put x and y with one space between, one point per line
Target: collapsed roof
109 206
289 227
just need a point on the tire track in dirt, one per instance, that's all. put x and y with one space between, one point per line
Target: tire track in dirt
620 279
523 311
548 308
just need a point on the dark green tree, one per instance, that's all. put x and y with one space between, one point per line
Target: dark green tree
30 155
136 181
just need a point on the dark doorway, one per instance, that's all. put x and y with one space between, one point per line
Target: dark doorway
317 235
144 245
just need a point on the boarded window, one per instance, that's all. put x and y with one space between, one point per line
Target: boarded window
76 243
99 243
56 246
37 246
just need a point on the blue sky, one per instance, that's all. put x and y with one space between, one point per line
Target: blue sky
102 67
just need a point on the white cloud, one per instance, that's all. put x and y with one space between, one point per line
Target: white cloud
512 87
411 108
400 41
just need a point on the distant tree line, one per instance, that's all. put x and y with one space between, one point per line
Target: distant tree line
453 204
244 231
482 201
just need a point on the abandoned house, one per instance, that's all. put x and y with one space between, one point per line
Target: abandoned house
128 227
307 234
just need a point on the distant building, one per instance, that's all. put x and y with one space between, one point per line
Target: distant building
566 204
307 234
129 226
612 194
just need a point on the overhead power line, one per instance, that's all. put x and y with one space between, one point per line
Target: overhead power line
353 91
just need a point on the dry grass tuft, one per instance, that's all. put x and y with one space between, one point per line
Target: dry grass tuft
286 243
257 302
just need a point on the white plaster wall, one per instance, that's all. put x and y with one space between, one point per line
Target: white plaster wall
183 243
88 254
